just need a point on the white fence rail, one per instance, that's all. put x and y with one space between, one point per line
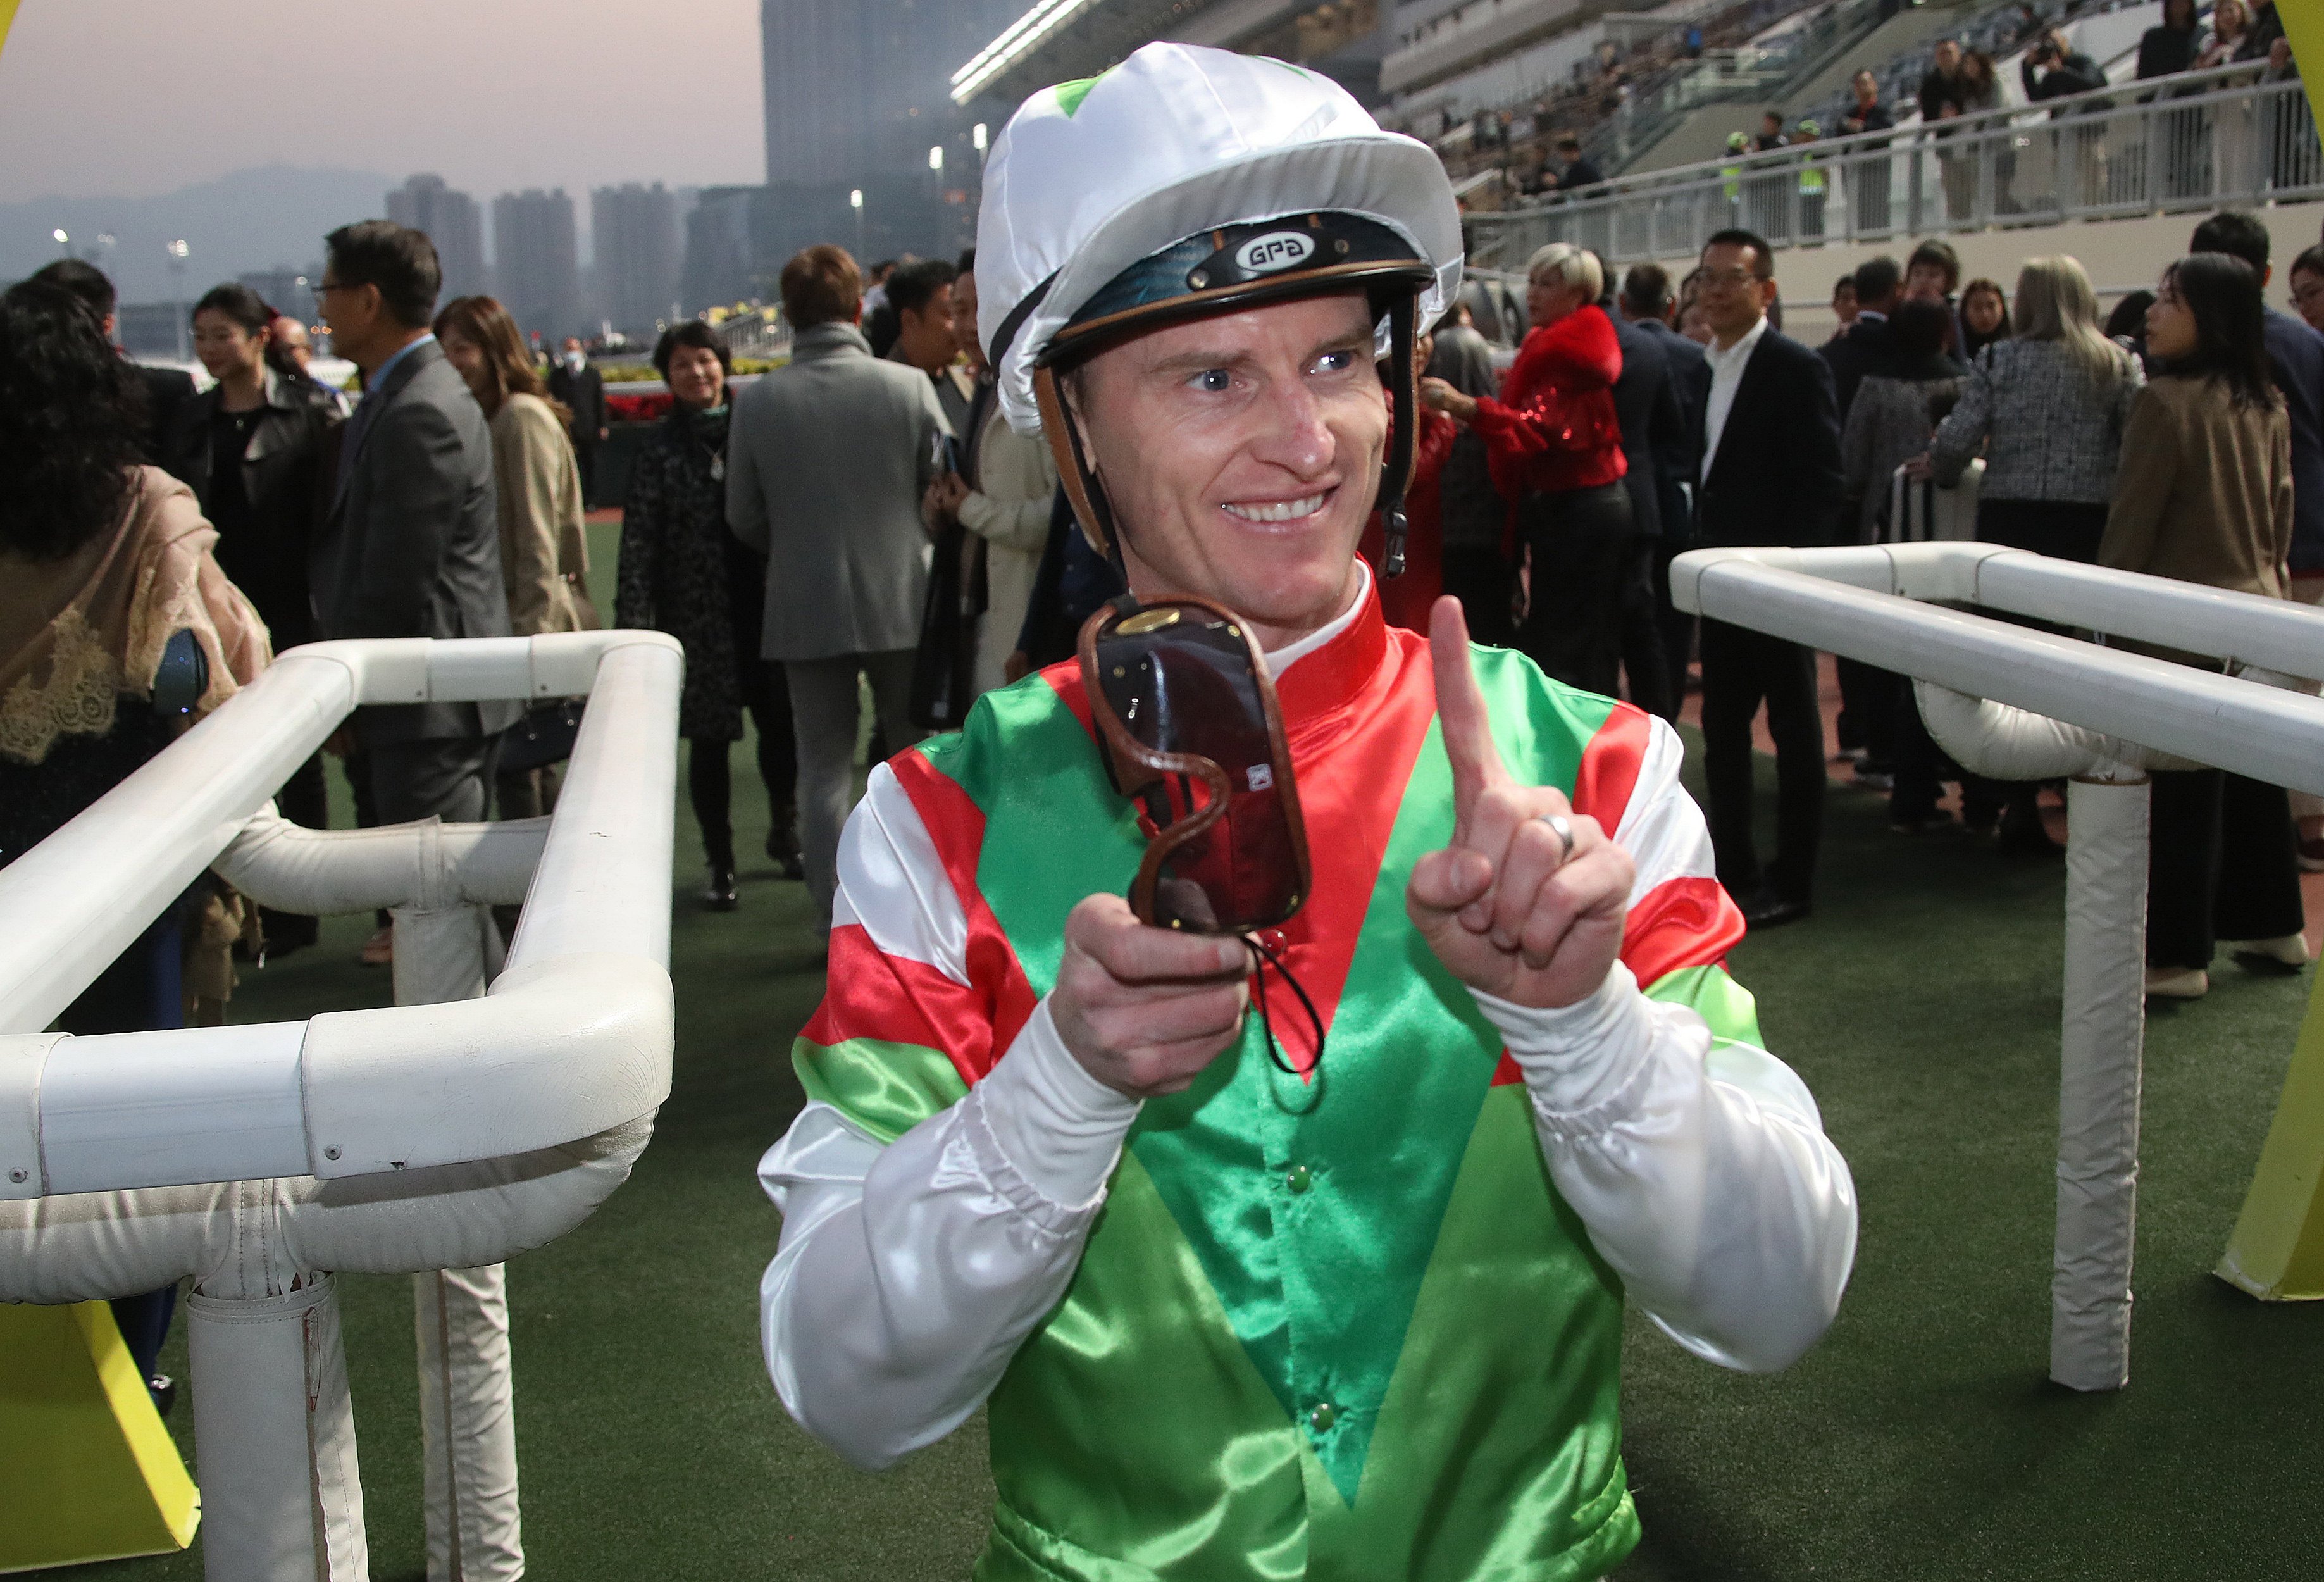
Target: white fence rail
2025 704
437 1138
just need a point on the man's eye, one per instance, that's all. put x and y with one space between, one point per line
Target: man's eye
1338 361
1214 380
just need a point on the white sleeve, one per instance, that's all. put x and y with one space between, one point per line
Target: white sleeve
907 1274
1702 1174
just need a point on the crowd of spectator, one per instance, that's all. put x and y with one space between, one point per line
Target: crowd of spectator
1541 154
1633 422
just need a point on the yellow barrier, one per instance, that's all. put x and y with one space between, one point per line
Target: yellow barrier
2277 1250
87 1470
2303 27
7 16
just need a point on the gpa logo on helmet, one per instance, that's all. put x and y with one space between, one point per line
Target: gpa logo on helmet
1275 250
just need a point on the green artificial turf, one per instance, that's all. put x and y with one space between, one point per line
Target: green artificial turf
1919 1440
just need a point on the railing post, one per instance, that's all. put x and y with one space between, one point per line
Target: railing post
274 1433
2100 1054
467 1409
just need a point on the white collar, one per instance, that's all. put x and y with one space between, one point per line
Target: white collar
1279 659
1741 349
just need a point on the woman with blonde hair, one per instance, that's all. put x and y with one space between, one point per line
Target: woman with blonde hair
544 555
1554 445
2047 409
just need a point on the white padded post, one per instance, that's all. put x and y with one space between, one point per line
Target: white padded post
276 1438
467 1398
2100 1051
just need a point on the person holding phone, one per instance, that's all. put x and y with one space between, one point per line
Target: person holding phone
1238 1304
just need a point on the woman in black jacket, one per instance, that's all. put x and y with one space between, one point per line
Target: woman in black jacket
2169 49
251 447
682 572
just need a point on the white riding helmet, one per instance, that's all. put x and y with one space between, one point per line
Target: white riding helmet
1188 182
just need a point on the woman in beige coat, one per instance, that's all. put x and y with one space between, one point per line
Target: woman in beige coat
544 554
2204 494
1006 511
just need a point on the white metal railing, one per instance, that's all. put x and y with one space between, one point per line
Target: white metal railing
2025 704
484 1114
2196 141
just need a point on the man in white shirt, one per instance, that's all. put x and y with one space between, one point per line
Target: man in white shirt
1771 475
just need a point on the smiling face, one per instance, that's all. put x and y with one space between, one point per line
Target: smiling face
696 378
1241 454
225 348
475 368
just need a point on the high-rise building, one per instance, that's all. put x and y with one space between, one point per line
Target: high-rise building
537 261
453 222
636 241
857 96
722 255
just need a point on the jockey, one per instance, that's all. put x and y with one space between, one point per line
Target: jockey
1336 1294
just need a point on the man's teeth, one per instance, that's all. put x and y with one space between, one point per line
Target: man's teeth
1279 511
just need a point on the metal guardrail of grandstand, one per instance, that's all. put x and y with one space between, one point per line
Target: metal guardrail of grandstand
2198 139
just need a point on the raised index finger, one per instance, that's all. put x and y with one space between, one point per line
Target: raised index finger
1461 715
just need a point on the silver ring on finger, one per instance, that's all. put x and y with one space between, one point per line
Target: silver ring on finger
1563 828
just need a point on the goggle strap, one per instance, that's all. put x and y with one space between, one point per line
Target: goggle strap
1262 959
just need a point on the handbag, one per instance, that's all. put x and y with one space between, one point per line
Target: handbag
944 666
542 737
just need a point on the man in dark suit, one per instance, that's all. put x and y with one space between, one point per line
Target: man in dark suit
1866 694
1863 346
411 545
1771 475
1647 406
583 388
166 389
1675 451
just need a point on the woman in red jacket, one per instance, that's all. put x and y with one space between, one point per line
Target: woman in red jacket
1557 450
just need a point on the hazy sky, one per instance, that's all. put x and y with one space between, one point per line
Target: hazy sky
132 97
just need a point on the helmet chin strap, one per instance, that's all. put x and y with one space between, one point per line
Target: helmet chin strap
1096 514
1404 386
1092 509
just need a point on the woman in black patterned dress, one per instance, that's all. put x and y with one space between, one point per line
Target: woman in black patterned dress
682 572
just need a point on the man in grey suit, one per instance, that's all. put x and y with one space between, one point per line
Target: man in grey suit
411 546
828 460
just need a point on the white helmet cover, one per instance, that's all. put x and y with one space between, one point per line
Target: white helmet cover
1090 178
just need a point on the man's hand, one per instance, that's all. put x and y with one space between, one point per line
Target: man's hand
1145 1008
1506 906
941 501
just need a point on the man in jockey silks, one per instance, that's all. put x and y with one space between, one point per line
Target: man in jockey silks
1235 1311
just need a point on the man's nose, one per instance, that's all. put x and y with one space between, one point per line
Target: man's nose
1295 436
